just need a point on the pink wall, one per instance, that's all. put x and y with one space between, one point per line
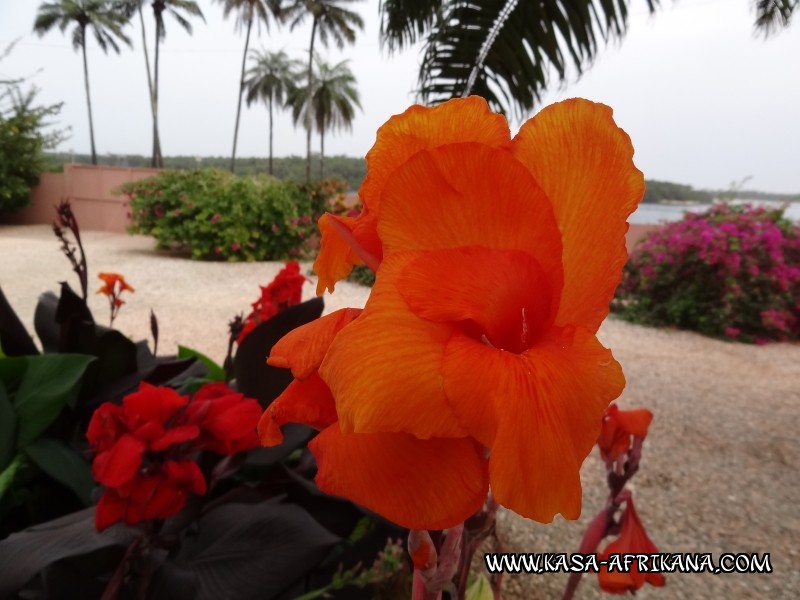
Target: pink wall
89 189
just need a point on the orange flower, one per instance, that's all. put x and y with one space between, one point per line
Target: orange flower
632 539
498 259
619 426
430 484
110 281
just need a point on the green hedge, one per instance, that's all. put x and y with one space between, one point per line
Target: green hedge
218 216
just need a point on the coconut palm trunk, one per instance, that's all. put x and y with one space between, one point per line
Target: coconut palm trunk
241 92
321 153
270 136
308 100
88 96
155 160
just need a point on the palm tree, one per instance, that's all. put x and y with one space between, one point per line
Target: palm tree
100 17
174 8
504 50
333 102
271 79
331 20
247 11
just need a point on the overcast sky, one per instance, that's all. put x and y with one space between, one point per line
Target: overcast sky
704 99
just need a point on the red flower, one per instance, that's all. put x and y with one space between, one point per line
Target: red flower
227 420
150 496
143 447
284 291
632 540
619 426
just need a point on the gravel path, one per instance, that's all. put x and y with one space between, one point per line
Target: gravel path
719 470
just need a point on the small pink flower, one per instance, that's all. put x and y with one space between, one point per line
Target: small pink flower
217 250
235 247
159 210
732 332
275 228
216 218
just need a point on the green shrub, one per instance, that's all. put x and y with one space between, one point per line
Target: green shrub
218 216
22 141
733 271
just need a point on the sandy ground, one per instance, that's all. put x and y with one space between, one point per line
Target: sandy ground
720 466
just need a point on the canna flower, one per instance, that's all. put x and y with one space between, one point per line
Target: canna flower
495 260
284 291
143 447
113 284
632 539
406 479
618 429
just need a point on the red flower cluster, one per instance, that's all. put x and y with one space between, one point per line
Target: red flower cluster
285 290
143 447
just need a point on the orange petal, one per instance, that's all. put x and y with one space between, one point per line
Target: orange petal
633 539
418 128
635 422
419 484
384 368
337 255
303 349
502 295
584 163
308 402
539 412
469 194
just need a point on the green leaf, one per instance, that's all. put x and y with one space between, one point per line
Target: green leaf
64 465
8 428
7 476
215 372
49 384
12 371
480 589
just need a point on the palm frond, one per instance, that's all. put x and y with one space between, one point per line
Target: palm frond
506 50
403 22
773 15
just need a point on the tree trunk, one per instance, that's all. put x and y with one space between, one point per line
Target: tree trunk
88 98
270 135
321 152
156 158
241 92
308 100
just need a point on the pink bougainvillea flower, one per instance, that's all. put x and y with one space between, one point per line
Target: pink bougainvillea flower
411 481
496 261
619 427
632 539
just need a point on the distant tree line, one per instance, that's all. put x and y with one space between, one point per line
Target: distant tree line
660 191
352 170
